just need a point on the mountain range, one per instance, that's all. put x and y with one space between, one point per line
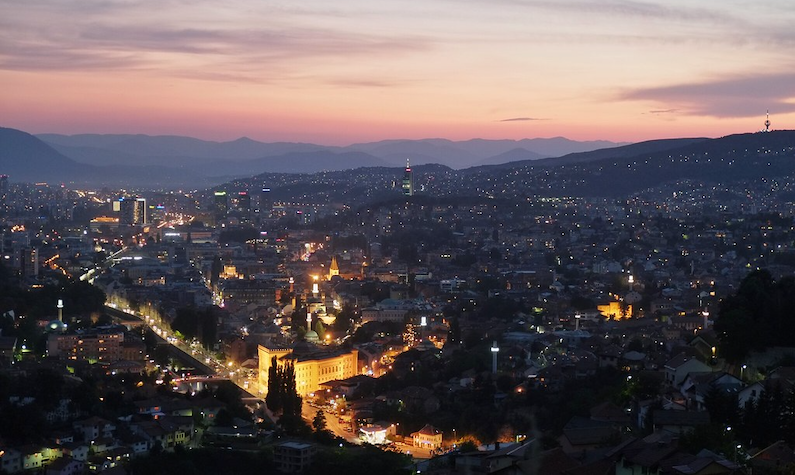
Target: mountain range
501 167
244 156
175 161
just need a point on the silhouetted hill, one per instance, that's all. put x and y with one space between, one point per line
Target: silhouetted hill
623 151
25 158
726 160
468 153
515 155
312 162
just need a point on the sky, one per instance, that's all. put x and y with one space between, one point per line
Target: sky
346 71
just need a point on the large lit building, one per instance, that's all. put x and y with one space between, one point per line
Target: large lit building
132 211
221 204
95 344
313 365
408 181
244 205
265 203
615 310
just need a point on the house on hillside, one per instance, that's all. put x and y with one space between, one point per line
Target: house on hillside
678 367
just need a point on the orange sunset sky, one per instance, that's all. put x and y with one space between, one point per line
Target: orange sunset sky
344 71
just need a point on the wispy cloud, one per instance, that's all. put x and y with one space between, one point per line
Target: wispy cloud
521 119
743 96
112 43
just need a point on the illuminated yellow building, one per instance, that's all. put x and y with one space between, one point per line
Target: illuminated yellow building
615 310
334 268
313 366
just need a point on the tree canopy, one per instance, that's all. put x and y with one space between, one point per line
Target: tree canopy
758 316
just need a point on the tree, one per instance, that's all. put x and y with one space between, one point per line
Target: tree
274 399
344 320
757 316
320 329
282 394
292 401
319 422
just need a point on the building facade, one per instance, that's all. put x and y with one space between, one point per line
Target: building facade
313 366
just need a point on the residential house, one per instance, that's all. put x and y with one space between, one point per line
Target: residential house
65 466
645 455
581 435
428 437
703 463
749 393
509 460
678 367
76 450
10 460
293 457
36 457
94 428
697 386
778 457
679 422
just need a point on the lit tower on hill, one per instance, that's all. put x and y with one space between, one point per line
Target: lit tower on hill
767 122
408 181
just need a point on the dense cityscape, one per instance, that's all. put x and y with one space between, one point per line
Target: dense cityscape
624 314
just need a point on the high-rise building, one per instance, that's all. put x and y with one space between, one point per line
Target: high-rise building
244 205
221 204
132 211
29 259
408 181
141 212
265 203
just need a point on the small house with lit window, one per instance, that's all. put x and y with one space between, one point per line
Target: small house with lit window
428 438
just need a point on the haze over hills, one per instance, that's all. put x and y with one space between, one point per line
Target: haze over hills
730 162
349 171
26 158
246 156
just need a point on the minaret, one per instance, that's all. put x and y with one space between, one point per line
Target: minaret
494 350
308 321
767 122
60 310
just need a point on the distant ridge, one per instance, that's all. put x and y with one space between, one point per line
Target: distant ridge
236 157
25 158
624 151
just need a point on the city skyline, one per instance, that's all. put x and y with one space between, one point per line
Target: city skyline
357 72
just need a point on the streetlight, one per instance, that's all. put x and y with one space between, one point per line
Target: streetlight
742 371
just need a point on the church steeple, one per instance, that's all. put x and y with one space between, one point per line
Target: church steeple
334 268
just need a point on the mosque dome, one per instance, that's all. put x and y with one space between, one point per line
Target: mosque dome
312 336
56 326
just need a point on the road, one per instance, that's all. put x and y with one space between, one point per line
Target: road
194 356
333 424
